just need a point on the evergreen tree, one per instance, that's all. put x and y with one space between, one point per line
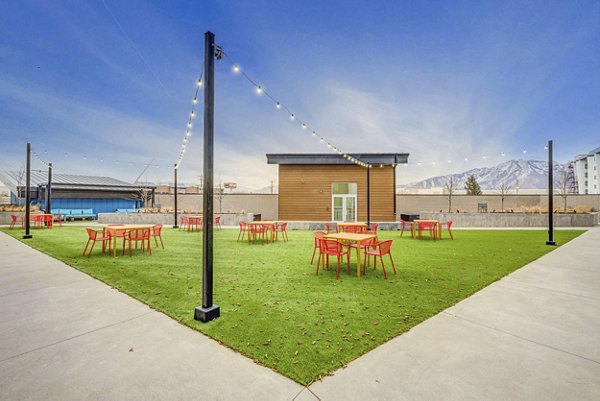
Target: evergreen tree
472 186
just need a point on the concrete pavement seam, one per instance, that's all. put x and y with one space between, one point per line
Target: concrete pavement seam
77 336
520 337
309 390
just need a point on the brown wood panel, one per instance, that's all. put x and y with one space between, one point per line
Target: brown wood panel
305 191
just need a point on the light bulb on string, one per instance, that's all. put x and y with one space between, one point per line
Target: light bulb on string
277 105
195 100
314 133
502 154
199 82
524 151
292 117
259 89
236 68
303 126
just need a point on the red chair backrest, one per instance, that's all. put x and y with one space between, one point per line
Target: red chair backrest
242 225
14 218
282 226
218 220
374 226
92 234
329 245
385 247
318 235
157 229
329 228
184 219
449 223
139 234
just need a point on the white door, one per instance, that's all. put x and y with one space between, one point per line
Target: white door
343 201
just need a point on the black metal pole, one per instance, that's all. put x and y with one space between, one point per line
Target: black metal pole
175 174
208 311
28 193
550 196
368 196
395 201
49 189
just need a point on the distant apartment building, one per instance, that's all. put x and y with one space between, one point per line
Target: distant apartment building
587 172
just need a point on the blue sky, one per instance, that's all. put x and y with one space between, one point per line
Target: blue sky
97 94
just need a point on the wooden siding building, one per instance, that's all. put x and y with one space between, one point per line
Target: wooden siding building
327 187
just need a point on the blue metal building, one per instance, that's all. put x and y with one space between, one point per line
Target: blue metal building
68 191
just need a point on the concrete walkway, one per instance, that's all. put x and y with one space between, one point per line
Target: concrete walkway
534 335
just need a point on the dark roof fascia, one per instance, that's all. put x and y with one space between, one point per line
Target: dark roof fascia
330 158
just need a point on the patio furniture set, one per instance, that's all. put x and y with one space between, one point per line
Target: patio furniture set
194 222
131 234
433 227
266 231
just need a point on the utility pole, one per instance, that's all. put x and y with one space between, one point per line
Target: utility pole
208 311
369 196
28 193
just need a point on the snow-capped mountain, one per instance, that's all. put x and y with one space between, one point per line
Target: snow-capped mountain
525 174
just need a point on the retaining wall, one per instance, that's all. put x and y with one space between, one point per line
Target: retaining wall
514 219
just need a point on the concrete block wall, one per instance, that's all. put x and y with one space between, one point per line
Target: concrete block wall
263 204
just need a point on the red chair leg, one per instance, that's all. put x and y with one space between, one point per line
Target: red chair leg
92 247
383 267
393 266
85 249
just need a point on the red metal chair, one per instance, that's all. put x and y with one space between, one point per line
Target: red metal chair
318 235
156 233
281 228
352 229
431 227
448 225
119 234
380 249
138 235
329 247
218 222
195 223
366 244
243 229
95 236
331 228
404 224
13 221
374 227
58 219
257 231
37 220
48 220
184 222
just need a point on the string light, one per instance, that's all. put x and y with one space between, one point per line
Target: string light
44 162
278 105
188 131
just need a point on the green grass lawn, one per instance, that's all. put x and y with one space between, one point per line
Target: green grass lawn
275 310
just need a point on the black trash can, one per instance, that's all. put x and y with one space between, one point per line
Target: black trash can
257 217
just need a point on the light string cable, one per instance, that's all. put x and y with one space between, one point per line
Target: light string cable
466 159
293 116
188 130
37 156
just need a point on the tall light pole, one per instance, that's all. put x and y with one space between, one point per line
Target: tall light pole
208 311
28 193
49 189
175 183
550 196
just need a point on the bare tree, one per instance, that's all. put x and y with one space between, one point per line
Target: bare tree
503 191
219 193
449 187
144 195
561 183
20 179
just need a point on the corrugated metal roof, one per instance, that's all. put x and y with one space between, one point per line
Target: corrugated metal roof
66 180
332 158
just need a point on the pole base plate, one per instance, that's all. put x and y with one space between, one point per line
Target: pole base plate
207 314
553 243
27 236
175 226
